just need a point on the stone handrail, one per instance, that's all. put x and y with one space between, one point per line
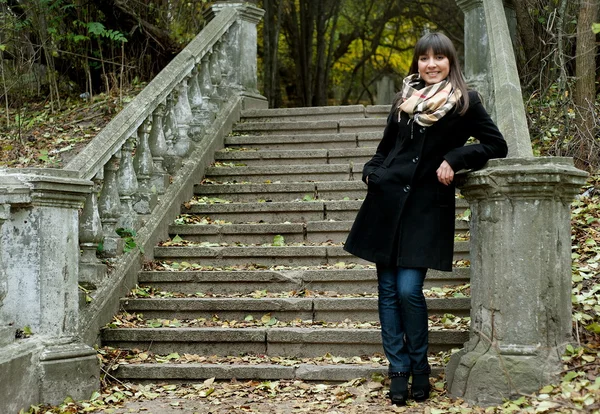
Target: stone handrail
111 139
57 224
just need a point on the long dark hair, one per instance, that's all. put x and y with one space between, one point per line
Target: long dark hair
440 44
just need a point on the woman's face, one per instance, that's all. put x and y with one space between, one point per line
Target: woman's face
433 68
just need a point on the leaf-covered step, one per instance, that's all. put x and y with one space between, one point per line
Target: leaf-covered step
285 309
240 233
264 233
311 127
277 212
146 365
270 255
341 279
284 342
278 192
249 157
298 127
165 372
282 212
290 173
320 113
305 141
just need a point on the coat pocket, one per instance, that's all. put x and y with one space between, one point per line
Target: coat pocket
375 178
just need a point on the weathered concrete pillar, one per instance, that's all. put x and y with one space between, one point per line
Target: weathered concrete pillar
477 48
246 43
520 278
477 63
520 247
7 333
43 292
41 262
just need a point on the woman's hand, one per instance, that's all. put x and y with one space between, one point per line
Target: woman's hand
445 173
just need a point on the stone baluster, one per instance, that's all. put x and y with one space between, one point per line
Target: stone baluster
232 50
201 119
109 206
128 186
172 162
91 270
7 333
158 146
224 64
145 199
216 79
207 88
183 116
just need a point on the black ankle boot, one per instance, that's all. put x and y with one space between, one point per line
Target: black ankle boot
420 387
399 387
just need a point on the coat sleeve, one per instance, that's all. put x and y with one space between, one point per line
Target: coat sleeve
385 145
480 126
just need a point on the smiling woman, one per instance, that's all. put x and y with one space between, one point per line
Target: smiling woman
406 223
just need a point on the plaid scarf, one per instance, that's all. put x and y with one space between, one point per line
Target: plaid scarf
429 104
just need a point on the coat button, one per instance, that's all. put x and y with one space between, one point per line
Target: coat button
406 188
422 130
415 160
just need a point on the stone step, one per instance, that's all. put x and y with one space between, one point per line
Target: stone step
290 173
263 233
296 157
282 342
305 141
284 309
344 281
279 212
272 256
318 113
294 191
197 372
325 190
310 127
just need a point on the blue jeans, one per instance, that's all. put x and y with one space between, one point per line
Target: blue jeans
403 317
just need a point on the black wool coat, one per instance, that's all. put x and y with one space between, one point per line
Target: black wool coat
407 217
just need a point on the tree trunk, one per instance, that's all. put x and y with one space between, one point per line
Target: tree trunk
585 88
271 31
528 36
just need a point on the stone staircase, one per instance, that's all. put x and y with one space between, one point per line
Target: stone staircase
227 284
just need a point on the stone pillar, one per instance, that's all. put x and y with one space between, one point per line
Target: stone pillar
478 63
7 333
520 278
386 90
42 285
477 50
246 38
43 291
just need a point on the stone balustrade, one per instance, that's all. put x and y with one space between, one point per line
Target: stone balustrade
60 228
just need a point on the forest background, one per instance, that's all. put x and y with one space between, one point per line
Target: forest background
64 53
